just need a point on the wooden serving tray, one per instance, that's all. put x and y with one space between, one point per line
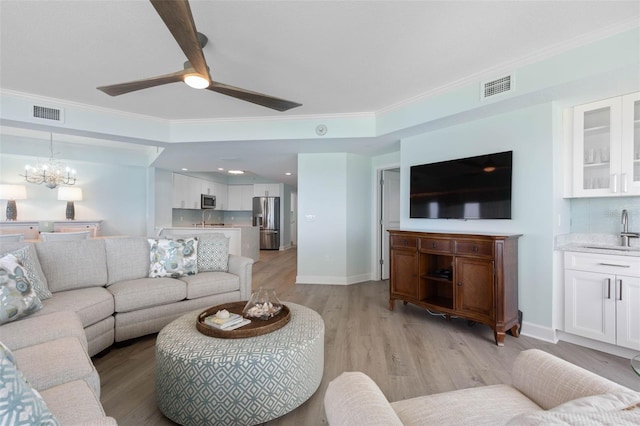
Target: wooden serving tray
257 326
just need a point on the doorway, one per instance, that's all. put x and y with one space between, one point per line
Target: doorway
388 215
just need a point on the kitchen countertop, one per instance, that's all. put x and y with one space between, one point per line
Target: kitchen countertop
597 243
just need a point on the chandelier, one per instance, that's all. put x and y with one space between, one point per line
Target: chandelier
52 173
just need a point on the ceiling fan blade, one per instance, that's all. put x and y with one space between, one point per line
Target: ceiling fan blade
254 97
132 86
177 16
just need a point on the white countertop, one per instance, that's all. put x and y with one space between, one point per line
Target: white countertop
597 243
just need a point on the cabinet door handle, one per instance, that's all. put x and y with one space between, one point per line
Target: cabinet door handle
434 245
614 183
613 264
620 294
459 284
608 288
474 248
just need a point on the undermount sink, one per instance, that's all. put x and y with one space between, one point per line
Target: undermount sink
614 248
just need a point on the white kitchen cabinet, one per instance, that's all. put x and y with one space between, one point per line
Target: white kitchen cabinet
181 191
606 147
240 197
187 191
602 298
266 190
220 190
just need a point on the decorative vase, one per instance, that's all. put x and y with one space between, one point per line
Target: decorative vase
263 304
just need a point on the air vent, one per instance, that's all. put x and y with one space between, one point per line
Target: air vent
46 113
497 86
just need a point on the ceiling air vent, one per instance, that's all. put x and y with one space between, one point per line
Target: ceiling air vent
46 113
497 86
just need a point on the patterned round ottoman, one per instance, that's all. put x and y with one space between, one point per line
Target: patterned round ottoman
203 380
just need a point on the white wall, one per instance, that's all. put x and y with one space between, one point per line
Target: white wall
359 218
116 194
334 213
529 134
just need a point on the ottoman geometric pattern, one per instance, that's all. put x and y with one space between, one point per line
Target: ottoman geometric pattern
202 380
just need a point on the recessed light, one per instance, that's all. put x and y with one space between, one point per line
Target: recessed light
220 168
236 172
288 174
184 169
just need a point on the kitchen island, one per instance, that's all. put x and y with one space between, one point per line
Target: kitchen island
243 240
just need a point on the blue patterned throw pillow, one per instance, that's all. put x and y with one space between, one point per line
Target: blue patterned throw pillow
173 258
17 296
213 254
19 403
29 261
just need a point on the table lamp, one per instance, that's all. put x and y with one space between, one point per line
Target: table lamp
11 193
70 194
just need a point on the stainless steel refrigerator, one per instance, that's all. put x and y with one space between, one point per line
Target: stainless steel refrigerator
266 215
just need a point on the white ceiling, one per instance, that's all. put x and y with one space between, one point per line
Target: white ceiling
334 57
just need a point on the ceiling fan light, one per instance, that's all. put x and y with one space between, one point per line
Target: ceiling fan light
196 81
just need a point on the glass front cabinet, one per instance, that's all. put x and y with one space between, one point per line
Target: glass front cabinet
606 147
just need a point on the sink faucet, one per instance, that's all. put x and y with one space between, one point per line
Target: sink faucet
625 234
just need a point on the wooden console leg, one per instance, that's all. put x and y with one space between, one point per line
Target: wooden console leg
499 336
392 304
515 330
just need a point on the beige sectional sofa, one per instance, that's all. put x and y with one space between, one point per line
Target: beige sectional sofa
50 351
95 292
545 390
104 281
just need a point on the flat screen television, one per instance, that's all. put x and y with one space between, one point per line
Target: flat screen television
466 188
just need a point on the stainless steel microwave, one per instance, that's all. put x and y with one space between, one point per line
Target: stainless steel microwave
207 201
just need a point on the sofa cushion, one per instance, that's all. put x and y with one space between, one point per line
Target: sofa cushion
37 329
127 258
621 400
74 403
465 406
172 258
581 417
56 362
28 258
19 402
213 253
210 283
90 304
146 292
18 299
73 264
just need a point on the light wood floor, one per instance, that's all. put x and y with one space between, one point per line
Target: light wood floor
407 352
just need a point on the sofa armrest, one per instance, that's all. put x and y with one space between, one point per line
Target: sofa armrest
242 267
353 399
38 329
550 381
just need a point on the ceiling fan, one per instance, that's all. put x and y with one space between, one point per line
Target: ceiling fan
177 16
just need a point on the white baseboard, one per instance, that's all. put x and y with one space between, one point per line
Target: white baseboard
548 334
333 280
598 346
539 332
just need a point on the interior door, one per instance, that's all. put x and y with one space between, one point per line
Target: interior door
390 212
